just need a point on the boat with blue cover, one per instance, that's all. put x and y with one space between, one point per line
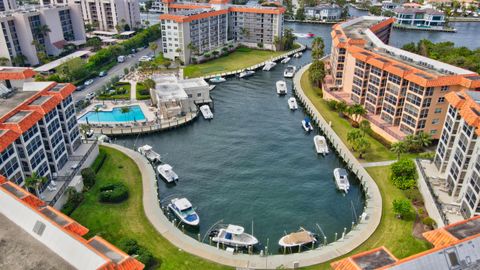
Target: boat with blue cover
183 209
306 124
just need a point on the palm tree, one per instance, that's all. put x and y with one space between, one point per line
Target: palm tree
278 42
353 136
153 46
357 111
398 148
42 30
35 181
364 126
149 83
97 110
244 32
193 48
125 110
362 145
4 61
423 139
317 48
19 60
341 107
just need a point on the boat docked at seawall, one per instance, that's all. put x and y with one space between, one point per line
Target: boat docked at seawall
211 87
148 152
234 236
292 103
269 65
285 60
217 79
246 73
183 209
306 124
320 145
281 87
167 173
297 239
298 55
206 112
341 179
289 72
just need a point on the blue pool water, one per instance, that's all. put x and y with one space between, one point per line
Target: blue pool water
115 115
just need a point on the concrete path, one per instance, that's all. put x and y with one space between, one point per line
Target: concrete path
133 90
378 163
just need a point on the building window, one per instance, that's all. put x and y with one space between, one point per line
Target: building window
433 131
475 182
444 88
435 121
441 100
438 110
467 129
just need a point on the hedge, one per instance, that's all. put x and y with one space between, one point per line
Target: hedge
113 193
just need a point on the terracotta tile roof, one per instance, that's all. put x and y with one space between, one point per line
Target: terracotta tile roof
33 201
440 238
345 264
76 228
374 28
187 6
188 18
2 179
350 263
16 73
219 2
246 9
469 109
126 263
7 137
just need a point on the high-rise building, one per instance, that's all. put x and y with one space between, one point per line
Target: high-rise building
111 15
7 5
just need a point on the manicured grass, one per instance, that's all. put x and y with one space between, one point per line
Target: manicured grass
160 60
236 60
142 92
394 234
127 219
122 92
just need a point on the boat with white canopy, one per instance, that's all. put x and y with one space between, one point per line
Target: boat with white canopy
292 103
149 153
269 65
320 144
281 87
206 112
167 173
341 179
184 211
234 236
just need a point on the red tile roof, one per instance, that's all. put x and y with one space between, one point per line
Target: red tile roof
468 108
16 73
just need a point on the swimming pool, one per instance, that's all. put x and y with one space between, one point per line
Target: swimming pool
115 115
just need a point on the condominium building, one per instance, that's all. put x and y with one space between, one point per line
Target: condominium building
111 15
404 93
458 152
190 29
427 17
324 12
7 5
21 39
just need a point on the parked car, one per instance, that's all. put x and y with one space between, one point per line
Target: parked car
102 74
121 59
144 59
88 82
90 96
80 87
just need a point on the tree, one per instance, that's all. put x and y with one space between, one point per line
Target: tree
423 139
244 32
341 107
398 148
89 27
149 83
288 39
404 173
364 126
73 69
300 15
84 128
353 135
403 208
19 60
362 145
42 30
35 181
357 111
153 46
277 42
4 61
192 48
375 10
89 177
125 110
318 47
95 43
316 72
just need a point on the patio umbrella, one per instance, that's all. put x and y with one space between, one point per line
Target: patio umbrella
86 118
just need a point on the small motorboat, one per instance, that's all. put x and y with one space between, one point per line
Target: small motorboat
285 60
292 103
341 179
289 72
148 152
269 65
103 138
211 87
298 55
281 87
217 79
310 35
234 236
184 211
320 145
206 112
296 239
246 73
167 173
306 124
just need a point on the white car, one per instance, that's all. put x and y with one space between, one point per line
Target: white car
88 82
90 96
145 59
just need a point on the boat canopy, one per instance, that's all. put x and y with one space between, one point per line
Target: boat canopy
235 229
298 238
182 204
342 172
166 167
307 120
147 147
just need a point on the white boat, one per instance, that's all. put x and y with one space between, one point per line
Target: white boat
292 103
103 138
341 179
217 79
167 173
281 87
246 73
285 60
307 125
234 236
269 65
206 112
184 211
298 55
289 72
211 87
148 152
320 144
296 239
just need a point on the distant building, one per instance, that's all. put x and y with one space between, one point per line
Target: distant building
389 5
324 12
7 5
420 17
449 3
19 29
455 247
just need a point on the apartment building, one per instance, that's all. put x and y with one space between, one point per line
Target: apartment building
427 17
457 156
404 93
111 15
324 12
20 30
7 5
454 247
190 29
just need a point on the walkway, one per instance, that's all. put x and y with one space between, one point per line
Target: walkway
133 90
378 163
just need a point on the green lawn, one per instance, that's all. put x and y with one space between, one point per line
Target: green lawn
122 92
236 60
127 219
142 92
394 234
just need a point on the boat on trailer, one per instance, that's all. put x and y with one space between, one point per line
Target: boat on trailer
206 112
292 103
320 144
183 209
234 236
297 239
269 65
148 152
281 87
285 60
246 73
306 124
167 173
341 179
289 72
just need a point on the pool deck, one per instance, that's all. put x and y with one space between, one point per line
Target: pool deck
355 237
148 112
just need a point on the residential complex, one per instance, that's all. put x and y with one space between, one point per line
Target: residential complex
324 12
404 93
7 5
192 29
455 247
111 15
422 17
22 38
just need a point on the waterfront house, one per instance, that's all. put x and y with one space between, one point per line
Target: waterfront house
420 17
324 12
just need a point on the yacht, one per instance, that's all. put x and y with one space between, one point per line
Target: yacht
297 239
306 124
217 79
289 72
341 179
292 103
184 211
285 60
234 236
206 112
320 144
148 152
269 65
246 73
281 87
167 173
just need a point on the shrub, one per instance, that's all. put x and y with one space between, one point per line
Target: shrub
113 193
403 208
403 182
225 49
74 199
428 221
131 247
206 55
244 49
260 45
332 104
414 195
194 60
404 173
88 175
99 161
